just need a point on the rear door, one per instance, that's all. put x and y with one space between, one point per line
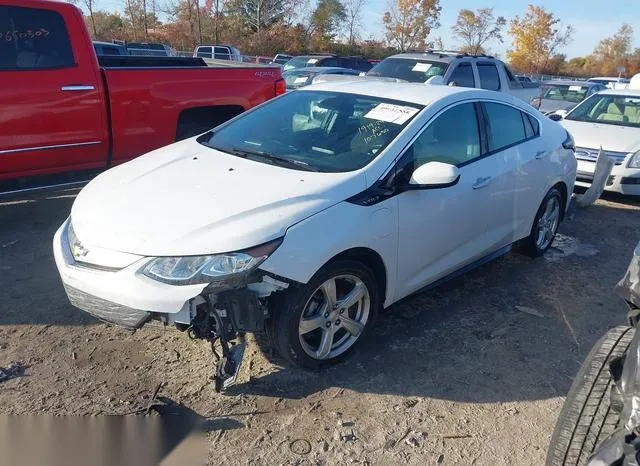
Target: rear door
222 53
52 113
204 52
462 75
522 155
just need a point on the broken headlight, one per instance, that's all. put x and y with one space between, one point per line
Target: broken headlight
191 270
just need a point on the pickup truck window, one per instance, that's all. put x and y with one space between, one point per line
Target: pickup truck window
32 39
506 126
204 52
462 76
489 78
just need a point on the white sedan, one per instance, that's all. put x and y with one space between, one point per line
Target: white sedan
609 120
307 215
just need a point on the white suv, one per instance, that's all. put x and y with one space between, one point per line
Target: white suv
307 215
218 52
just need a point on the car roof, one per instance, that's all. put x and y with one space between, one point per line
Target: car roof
423 94
100 42
570 82
320 69
622 92
445 56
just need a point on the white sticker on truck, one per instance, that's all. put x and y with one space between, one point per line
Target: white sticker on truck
421 67
312 61
397 114
575 88
302 79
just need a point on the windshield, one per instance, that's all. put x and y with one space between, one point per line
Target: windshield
301 62
407 69
316 131
617 110
565 92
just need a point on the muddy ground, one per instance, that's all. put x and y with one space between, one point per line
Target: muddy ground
458 375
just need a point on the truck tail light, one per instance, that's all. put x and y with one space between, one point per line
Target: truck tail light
281 87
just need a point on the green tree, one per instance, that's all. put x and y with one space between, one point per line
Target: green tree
326 21
475 29
408 22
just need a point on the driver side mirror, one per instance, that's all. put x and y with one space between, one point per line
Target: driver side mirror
434 175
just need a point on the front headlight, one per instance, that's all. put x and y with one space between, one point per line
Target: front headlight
192 270
634 162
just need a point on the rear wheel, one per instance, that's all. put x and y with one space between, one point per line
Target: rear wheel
545 225
586 418
322 322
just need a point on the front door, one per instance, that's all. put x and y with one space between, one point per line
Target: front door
443 229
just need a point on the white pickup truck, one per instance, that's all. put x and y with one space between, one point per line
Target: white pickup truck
455 69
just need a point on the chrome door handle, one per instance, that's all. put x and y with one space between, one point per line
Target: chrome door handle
482 182
77 87
541 154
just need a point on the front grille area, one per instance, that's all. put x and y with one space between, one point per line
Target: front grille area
591 155
106 310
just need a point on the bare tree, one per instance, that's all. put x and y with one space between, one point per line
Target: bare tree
90 6
476 28
353 9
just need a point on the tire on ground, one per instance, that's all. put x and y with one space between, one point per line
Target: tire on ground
586 418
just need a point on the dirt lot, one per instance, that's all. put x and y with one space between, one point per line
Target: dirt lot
458 375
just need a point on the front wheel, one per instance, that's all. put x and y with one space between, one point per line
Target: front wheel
321 322
545 225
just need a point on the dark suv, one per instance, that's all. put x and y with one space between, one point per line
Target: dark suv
304 61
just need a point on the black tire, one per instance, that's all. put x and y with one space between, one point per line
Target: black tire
287 306
586 418
528 245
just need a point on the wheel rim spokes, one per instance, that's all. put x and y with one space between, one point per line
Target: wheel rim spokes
334 317
548 223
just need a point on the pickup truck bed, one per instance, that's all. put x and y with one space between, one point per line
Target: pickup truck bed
65 115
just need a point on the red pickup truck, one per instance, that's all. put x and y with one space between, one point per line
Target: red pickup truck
66 114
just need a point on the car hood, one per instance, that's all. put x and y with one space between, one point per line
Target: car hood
610 137
188 199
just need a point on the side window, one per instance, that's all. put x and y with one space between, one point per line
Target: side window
489 78
534 124
204 52
506 126
452 138
32 39
462 76
331 61
222 53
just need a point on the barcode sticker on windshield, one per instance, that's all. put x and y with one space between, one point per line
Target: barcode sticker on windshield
397 114
312 61
302 79
421 67
575 88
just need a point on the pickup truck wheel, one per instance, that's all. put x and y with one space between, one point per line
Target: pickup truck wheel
321 322
545 225
586 418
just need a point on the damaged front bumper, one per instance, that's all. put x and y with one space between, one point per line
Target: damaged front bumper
128 298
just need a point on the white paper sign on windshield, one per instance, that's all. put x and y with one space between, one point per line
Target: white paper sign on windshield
312 61
397 114
421 67
302 79
575 88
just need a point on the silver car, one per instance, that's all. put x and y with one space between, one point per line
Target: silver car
564 94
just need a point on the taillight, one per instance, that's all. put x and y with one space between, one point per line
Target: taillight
569 143
281 87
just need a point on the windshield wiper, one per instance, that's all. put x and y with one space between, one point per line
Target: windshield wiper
273 159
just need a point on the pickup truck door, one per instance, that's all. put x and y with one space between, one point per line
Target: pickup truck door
53 116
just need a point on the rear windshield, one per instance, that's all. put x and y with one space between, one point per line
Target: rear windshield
619 110
315 131
407 69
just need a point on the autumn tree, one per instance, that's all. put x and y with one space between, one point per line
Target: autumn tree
537 36
353 10
475 29
106 26
613 52
326 21
408 22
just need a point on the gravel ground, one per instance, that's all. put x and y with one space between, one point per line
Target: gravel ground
474 372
